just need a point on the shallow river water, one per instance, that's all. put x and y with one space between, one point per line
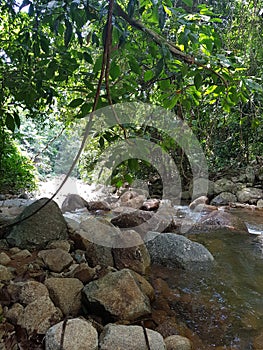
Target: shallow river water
222 305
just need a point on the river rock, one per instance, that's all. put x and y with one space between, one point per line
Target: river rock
83 272
224 198
249 195
260 203
258 341
224 185
79 335
56 259
132 253
14 313
172 250
5 273
27 292
222 219
96 236
73 202
98 206
150 204
116 296
200 200
177 342
46 225
129 218
62 244
39 315
132 199
4 258
129 338
65 294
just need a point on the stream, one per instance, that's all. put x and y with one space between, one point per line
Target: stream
223 305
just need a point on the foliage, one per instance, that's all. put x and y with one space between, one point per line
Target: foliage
17 172
202 60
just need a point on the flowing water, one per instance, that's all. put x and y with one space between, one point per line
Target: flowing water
223 305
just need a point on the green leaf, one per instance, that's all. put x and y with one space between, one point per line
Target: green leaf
98 64
115 71
44 44
10 123
17 119
134 66
148 75
68 33
198 80
86 108
87 57
188 2
76 102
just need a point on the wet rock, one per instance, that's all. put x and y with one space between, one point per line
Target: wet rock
200 200
96 236
79 335
172 250
224 198
249 195
144 221
4 258
5 273
129 338
73 202
39 315
56 259
132 253
224 185
98 205
205 208
132 199
46 225
221 219
177 342
65 294
131 219
116 296
150 204
260 203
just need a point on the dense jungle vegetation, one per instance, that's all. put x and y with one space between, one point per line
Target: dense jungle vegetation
62 59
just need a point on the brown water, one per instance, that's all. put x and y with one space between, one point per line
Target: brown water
221 307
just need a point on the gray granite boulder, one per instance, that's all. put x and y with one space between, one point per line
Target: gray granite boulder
172 250
37 231
224 198
79 335
123 337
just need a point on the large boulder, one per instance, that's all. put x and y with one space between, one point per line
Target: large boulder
37 231
79 334
116 296
224 198
132 253
73 202
220 219
65 294
249 195
224 185
129 338
172 250
96 236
